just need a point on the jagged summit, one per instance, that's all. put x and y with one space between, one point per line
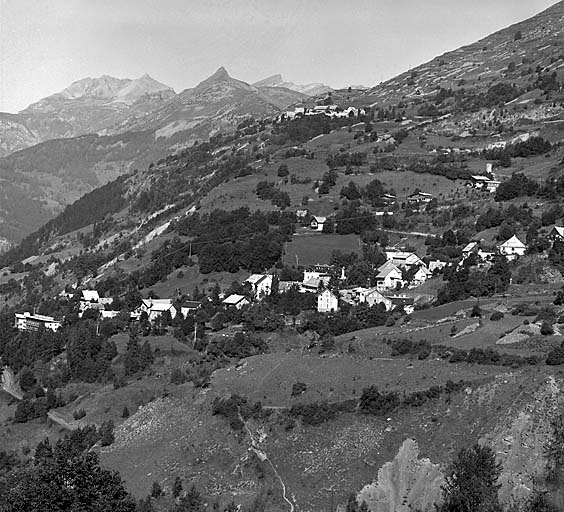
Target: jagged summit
277 80
222 77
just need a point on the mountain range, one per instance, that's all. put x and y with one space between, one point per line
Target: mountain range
98 129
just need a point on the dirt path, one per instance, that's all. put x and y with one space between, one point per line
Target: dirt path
264 458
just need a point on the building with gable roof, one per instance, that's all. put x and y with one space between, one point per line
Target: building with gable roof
512 248
389 277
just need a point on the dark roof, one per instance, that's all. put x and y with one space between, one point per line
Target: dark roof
191 304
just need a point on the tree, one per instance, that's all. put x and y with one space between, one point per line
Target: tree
177 487
283 171
107 433
156 490
70 480
191 502
471 482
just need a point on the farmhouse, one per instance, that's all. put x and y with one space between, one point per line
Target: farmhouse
28 322
189 306
512 248
318 222
404 259
470 248
422 274
370 296
327 302
479 182
403 301
436 265
556 233
419 197
156 307
236 301
389 276
261 284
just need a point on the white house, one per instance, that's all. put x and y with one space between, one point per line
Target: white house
156 307
556 233
492 185
512 248
422 274
373 297
327 302
388 277
28 322
436 265
189 306
318 222
236 301
261 284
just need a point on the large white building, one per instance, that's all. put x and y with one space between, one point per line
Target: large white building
31 322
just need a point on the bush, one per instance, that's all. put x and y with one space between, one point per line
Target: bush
374 402
78 414
298 388
496 315
555 356
283 171
546 329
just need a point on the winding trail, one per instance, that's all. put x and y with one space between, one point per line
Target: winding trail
264 458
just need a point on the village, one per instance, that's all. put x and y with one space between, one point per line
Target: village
395 281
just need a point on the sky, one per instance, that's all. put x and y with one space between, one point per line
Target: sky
45 45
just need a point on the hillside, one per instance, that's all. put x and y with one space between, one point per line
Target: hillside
515 54
409 245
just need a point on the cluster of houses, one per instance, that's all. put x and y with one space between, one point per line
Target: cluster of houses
328 110
91 300
401 269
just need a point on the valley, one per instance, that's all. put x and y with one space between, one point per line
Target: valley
275 297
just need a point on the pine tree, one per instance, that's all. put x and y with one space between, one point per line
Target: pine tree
106 433
471 483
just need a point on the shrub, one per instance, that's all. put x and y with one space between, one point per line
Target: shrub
496 315
546 329
298 388
78 414
374 402
555 356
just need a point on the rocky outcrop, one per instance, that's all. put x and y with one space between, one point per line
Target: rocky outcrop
404 484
